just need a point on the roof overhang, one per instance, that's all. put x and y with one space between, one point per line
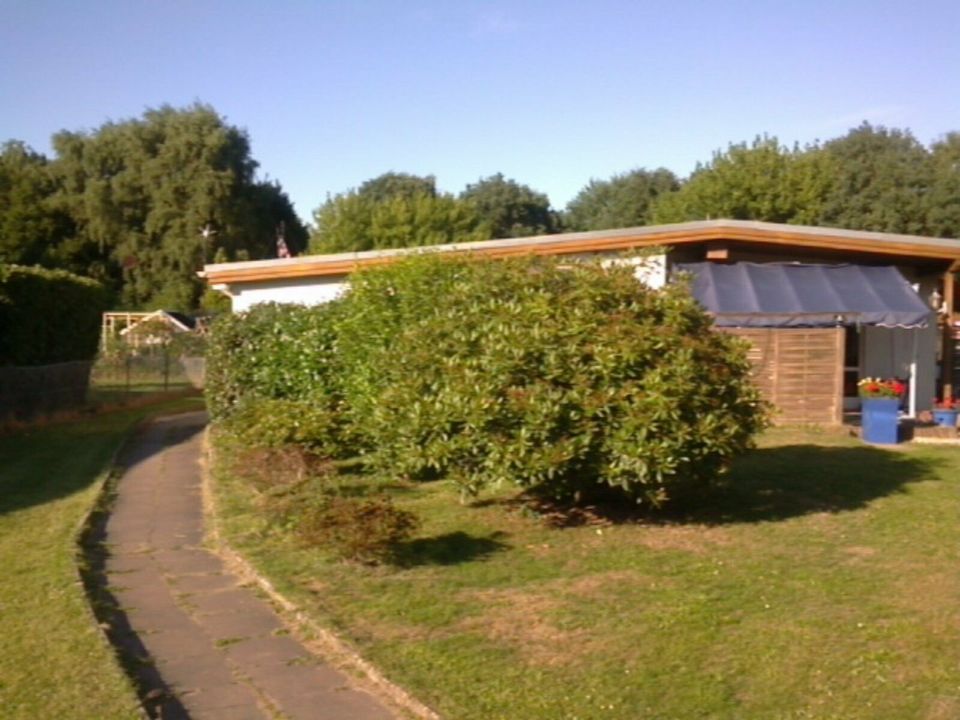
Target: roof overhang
942 250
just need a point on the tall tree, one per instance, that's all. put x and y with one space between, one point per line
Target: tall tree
352 222
511 209
624 200
762 180
140 191
31 223
394 184
943 200
880 180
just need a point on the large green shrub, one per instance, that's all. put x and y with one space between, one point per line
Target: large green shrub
48 316
271 352
569 379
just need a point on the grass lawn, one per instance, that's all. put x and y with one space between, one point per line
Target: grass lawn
825 583
53 661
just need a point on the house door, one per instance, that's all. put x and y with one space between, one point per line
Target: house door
852 354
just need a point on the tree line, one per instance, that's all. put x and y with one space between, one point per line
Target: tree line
142 204
872 178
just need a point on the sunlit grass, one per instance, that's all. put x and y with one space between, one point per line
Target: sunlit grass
822 583
53 660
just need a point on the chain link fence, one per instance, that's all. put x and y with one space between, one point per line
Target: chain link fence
134 372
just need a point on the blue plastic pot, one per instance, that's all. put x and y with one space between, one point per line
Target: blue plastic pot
879 420
945 418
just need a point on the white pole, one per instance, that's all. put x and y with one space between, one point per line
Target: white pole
912 409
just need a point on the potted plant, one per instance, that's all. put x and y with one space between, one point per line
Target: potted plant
945 412
880 405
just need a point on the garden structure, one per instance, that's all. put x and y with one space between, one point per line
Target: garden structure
821 307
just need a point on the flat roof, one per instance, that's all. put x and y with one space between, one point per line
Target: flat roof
304 266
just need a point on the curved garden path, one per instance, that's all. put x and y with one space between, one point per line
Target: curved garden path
201 644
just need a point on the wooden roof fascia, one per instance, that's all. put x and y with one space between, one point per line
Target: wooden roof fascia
601 244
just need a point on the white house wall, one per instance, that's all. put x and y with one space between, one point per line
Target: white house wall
651 270
304 291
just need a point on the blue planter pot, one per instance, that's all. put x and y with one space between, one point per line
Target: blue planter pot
880 423
945 418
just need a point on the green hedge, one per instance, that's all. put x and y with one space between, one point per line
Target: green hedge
48 316
569 379
271 372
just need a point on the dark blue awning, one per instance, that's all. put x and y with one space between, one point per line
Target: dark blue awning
796 295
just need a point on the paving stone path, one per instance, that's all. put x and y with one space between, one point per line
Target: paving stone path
209 648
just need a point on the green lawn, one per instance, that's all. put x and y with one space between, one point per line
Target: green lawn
53 661
825 583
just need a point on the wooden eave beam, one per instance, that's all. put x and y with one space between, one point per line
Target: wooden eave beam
717 251
591 245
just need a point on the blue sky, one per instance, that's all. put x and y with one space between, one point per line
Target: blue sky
549 93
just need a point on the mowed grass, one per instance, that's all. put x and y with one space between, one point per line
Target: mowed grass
824 582
53 661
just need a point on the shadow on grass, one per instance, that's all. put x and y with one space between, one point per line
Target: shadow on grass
765 485
40 465
447 549
795 480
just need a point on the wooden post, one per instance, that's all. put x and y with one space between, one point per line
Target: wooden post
840 349
947 341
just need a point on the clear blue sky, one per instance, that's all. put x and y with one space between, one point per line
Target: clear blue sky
549 93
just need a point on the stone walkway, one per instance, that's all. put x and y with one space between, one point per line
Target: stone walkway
204 647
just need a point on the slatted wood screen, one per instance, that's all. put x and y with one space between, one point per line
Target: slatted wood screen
799 370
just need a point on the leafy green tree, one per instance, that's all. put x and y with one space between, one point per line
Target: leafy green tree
140 191
354 221
394 184
31 224
943 200
511 209
622 201
760 181
879 181
263 211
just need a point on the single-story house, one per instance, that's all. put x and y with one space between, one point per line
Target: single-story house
821 307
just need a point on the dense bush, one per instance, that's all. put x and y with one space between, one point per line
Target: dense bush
308 422
572 380
48 316
271 352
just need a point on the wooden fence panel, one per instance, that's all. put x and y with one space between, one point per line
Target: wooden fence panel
799 370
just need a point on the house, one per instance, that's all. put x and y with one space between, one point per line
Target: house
821 307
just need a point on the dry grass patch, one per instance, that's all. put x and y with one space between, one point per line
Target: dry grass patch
523 621
696 539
